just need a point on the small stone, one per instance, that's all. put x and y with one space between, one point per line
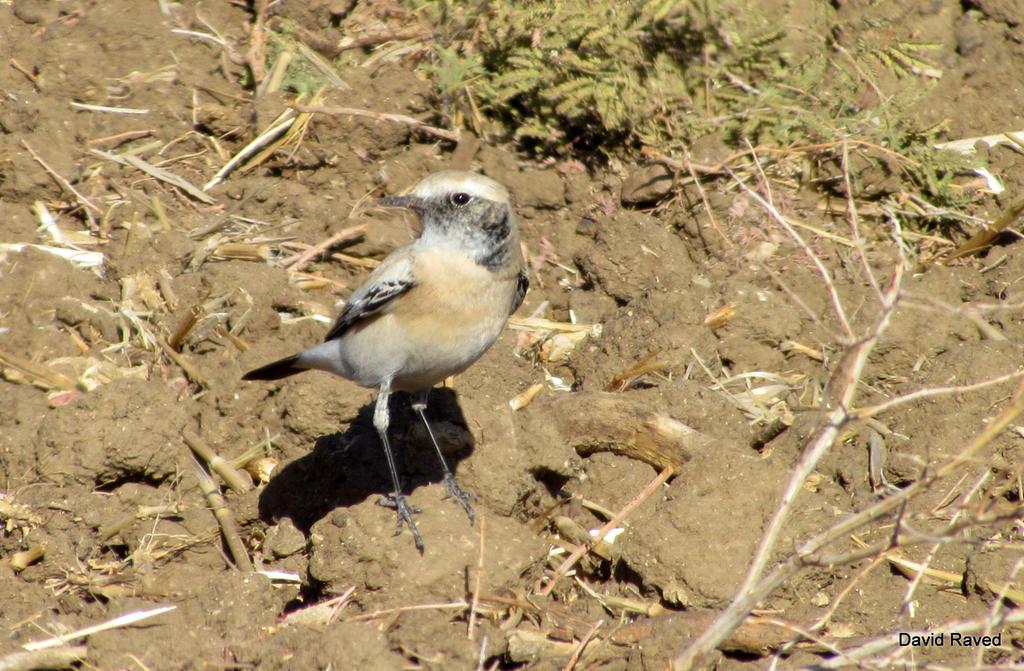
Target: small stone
969 33
820 600
339 518
284 540
587 227
35 11
709 149
647 185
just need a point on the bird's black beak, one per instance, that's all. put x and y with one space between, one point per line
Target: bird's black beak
409 202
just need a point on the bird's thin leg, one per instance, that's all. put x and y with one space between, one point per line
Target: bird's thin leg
451 486
397 501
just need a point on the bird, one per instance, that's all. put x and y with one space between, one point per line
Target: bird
427 312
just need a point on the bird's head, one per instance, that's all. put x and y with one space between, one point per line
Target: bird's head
464 210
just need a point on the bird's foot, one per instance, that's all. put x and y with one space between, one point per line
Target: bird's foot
452 490
404 511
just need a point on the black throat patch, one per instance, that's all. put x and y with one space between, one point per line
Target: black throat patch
497 229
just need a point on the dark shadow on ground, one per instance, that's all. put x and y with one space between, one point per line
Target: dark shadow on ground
346 468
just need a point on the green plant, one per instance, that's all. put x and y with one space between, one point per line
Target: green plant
602 76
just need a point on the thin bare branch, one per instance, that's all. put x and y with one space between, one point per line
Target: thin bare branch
416 124
583 549
837 305
931 392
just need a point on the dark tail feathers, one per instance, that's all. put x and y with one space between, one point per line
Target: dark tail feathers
277 370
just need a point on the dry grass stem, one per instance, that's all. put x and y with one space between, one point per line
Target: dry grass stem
721 316
577 535
177 338
273 82
288 129
125 620
854 221
238 342
617 604
323 66
578 652
143 512
525 397
320 614
241 251
238 481
38 374
182 362
272 134
358 261
120 138
416 124
110 110
616 521
788 346
159 212
158 173
983 239
29 75
708 210
380 38
475 603
91 208
822 233
298 261
224 517
647 365
451 605
21 560
967 145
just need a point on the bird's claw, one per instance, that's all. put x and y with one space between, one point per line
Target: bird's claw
404 512
452 490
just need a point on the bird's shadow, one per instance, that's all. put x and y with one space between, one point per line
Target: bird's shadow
345 468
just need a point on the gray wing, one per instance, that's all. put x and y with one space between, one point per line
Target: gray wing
391 279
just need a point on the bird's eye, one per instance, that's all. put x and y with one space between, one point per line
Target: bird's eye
460 198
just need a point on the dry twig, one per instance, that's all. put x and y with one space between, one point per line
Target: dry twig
616 521
297 262
578 652
224 517
38 374
416 124
25 71
63 183
475 603
182 362
158 173
809 553
451 605
238 481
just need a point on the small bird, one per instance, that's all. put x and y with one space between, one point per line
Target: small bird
428 311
